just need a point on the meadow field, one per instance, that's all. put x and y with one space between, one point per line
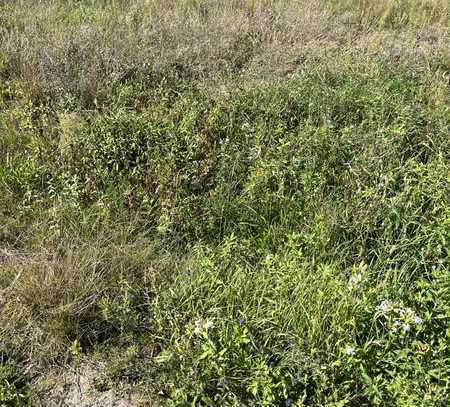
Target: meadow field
225 203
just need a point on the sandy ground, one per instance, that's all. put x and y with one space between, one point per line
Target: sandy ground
75 388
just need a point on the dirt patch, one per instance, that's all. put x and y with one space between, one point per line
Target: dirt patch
76 388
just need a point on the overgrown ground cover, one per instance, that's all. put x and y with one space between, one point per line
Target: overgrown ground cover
229 203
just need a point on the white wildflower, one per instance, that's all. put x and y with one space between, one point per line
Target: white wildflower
384 306
396 325
402 317
198 327
418 320
354 281
349 351
202 326
208 324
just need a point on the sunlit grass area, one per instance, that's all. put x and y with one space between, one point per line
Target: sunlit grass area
225 203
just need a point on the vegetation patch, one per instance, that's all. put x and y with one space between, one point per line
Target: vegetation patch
240 203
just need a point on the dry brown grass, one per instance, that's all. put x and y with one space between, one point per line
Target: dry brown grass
50 296
394 13
82 50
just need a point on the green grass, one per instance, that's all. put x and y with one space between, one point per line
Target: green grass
229 204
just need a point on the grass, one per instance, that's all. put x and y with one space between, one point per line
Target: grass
240 203
392 13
